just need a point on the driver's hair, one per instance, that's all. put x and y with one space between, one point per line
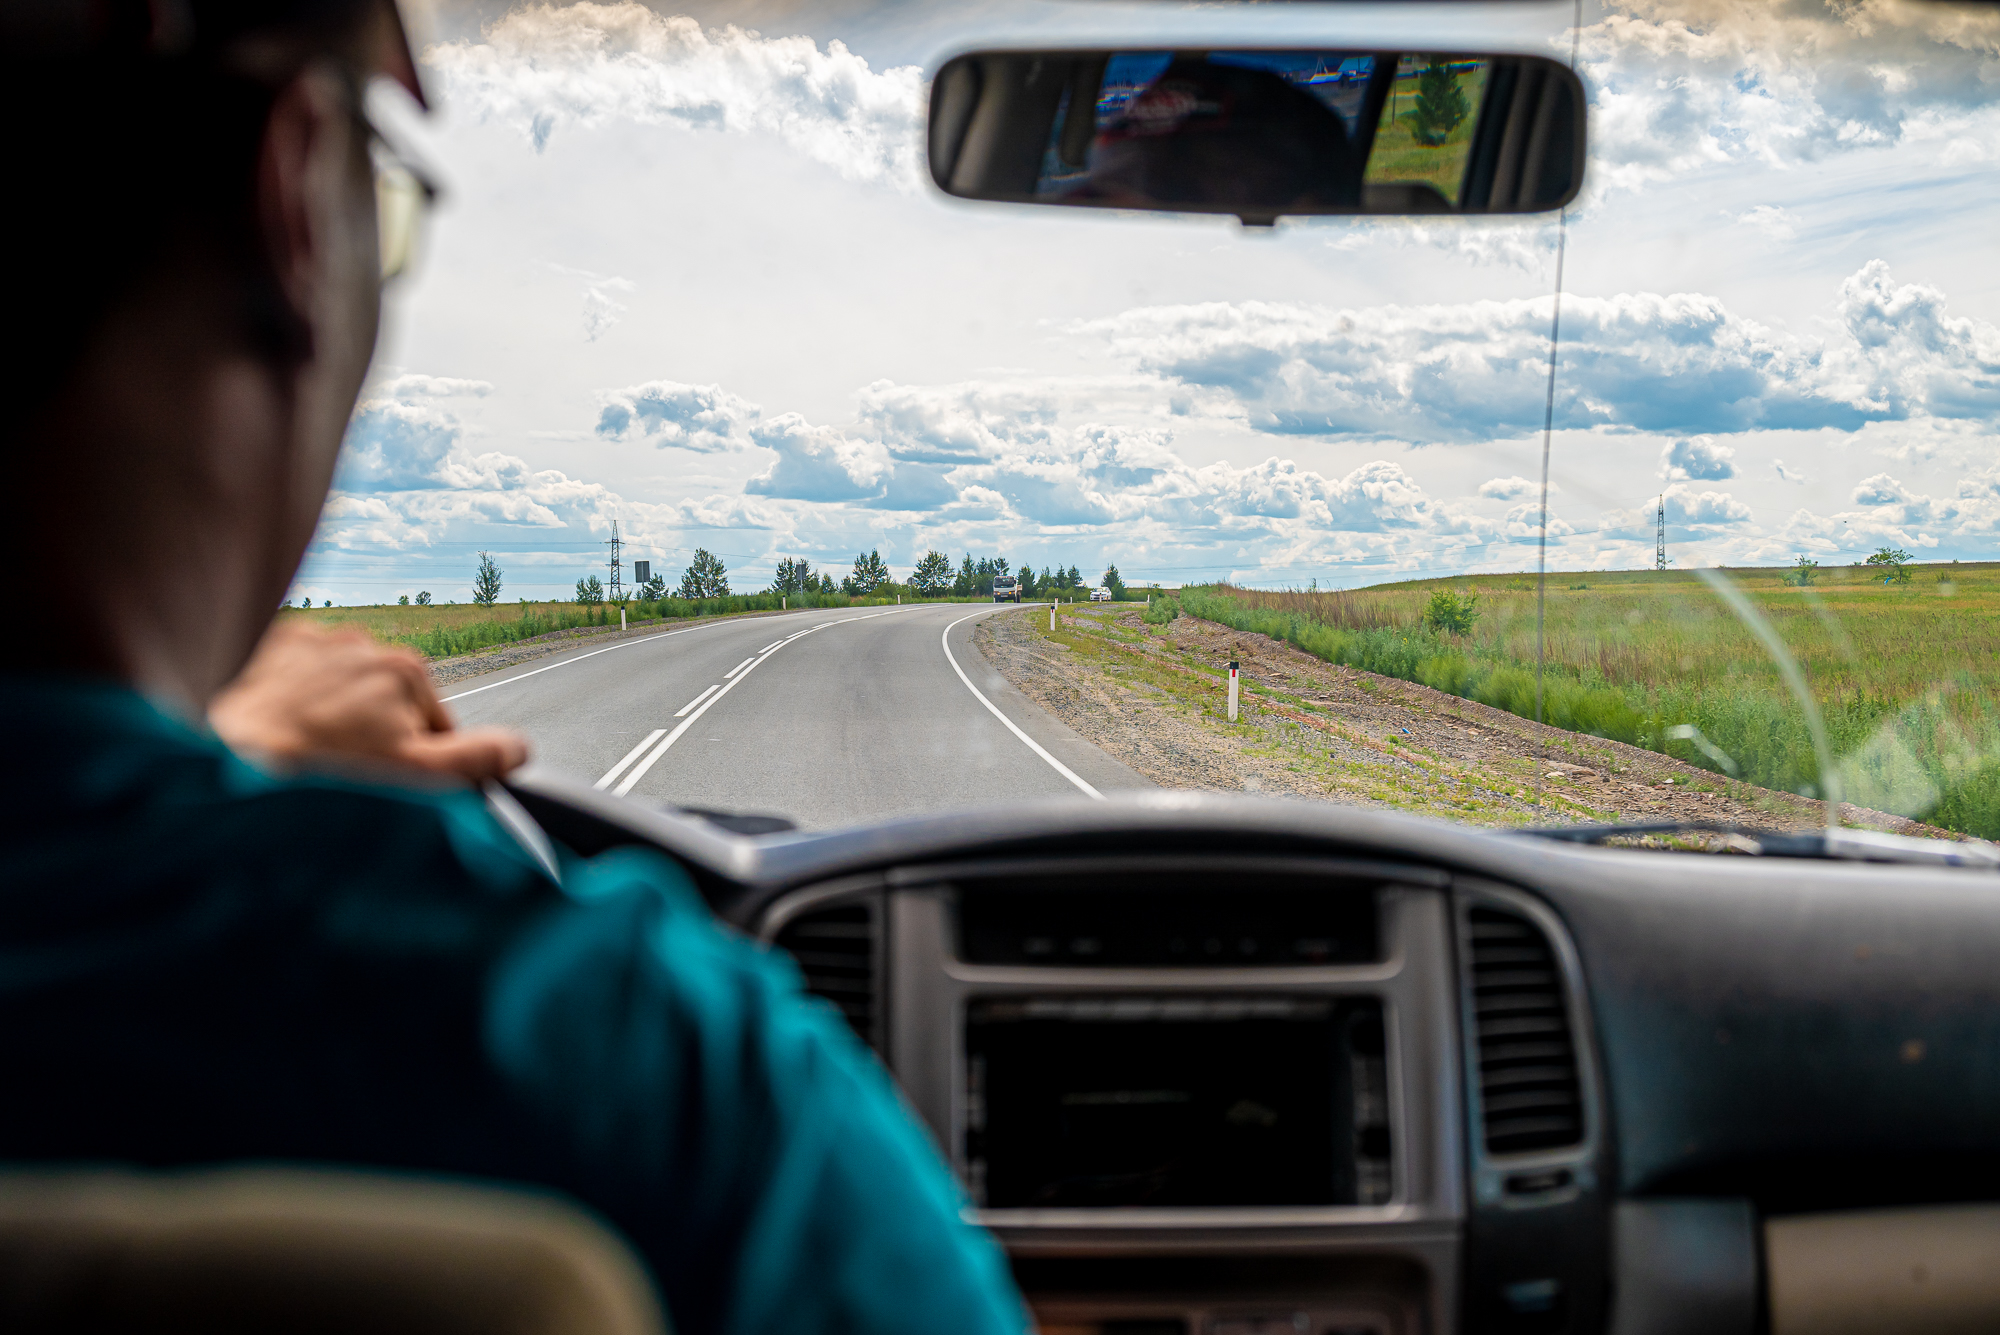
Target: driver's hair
133 159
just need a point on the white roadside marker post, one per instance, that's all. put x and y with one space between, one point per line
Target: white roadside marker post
1052 615
1232 690
621 618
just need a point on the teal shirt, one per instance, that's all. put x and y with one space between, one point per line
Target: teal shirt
202 962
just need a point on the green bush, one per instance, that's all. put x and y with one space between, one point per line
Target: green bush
1451 613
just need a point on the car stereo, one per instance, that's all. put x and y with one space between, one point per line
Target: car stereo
1176 1100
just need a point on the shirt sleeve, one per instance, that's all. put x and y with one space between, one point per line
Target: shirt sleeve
755 1151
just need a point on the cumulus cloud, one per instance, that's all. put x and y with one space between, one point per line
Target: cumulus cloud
1507 488
1680 363
1789 473
817 463
705 418
544 68
413 386
1681 84
948 424
406 471
1699 458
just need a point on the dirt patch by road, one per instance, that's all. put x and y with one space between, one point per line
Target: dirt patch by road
1154 697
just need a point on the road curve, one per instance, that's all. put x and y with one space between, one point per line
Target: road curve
828 717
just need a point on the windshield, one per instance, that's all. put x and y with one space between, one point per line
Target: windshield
706 431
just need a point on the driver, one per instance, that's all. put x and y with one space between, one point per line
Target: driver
207 959
1205 132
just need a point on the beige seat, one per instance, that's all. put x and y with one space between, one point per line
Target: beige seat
300 1252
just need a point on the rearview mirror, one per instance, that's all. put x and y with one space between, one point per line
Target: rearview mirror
1260 134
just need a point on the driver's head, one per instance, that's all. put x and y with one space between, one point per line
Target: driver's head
194 286
1213 133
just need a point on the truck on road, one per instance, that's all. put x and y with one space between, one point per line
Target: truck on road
1006 589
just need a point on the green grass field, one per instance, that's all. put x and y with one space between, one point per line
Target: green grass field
1907 675
442 631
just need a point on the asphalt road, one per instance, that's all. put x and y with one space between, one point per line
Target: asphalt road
827 717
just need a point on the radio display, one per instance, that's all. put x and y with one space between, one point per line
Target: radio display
1099 1102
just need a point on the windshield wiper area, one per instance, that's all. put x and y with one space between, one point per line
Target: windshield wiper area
1837 845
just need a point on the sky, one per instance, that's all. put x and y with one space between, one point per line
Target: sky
689 274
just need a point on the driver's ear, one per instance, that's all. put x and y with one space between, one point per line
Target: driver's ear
309 170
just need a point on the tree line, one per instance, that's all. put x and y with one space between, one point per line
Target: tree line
934 576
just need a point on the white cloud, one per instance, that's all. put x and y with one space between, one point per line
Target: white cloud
704 418
1789 473
817 463
1507 488
601 310
1772 221
544 68
1678 85
1673 363
1699 458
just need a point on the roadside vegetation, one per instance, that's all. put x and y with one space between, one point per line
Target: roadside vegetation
1903 660
450 629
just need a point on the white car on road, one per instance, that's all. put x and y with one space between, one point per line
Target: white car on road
1100 595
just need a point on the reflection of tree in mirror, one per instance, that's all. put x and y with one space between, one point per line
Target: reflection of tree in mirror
1441 103
1410 150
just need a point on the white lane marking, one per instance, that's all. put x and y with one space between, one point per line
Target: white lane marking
1012 727
653 758
630 756
648 639
739 667
682 712
737 678
769 647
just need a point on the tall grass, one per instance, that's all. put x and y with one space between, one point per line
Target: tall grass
1906 675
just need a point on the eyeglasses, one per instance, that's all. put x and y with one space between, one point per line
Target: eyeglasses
403 195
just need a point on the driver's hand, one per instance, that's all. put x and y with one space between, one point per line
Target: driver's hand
311 694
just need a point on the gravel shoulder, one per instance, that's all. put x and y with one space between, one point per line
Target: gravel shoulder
1154 697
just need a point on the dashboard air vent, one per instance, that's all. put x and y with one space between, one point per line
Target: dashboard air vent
835 949
1528 1094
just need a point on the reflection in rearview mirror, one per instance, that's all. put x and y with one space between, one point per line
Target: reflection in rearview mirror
1259 134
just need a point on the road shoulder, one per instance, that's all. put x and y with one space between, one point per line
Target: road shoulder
1154 697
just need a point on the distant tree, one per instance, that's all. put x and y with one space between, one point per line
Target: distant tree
327 603
654 589
1030 586
966 582
826 585
932 577
795 575
424 598
705 577
1803 571
1449 613
1441 104
589 591
1113 582
1075 577
486 583
1893 560
870 572
305 602
403 601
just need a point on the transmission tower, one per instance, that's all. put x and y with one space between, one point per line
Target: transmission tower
1660 534
617 589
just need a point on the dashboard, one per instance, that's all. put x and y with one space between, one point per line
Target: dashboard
1225 1066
